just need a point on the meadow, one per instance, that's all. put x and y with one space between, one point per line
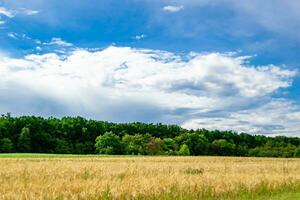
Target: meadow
44 176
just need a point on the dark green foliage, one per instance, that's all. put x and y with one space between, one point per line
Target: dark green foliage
76 135
267 151
155 146
297 152
24 141
197 143
5 145
62 147
135 144
170 146
108 143
223 148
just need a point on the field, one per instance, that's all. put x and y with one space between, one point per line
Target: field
42 176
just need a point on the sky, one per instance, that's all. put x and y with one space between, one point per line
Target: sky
215 64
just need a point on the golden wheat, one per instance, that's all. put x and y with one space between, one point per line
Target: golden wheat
144 177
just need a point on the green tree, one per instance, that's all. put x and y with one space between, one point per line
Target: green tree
134 144
78 135
6 145
62 147
108 143
170 146
24 141
223 148
43 142
241 150
184 150
154 146
84 148
197 143
297 152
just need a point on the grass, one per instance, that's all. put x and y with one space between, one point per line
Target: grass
48 176
48 155
43 155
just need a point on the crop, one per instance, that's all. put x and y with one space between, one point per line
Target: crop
117 177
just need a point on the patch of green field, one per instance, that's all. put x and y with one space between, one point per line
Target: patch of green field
275 196
44 155
291 192
287 195
49 155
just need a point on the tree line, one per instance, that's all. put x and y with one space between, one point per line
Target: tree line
76 135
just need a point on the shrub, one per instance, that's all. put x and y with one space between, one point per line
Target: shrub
24 141
184 150
6 145
155 146
297 152
194 171
62 147
108 143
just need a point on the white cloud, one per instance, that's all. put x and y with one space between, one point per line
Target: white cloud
6 12
58 42
29 12
12 35
139 37
20 36
125 84
173 9
12 13
276 117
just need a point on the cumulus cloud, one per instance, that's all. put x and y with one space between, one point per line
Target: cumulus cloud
173 9
275 117
124 84
58 42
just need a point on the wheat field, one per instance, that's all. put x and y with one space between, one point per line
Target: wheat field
149 178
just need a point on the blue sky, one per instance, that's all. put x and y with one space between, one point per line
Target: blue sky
213 64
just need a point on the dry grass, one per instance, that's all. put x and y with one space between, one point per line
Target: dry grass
147 178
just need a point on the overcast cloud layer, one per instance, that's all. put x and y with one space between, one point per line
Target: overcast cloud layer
213 90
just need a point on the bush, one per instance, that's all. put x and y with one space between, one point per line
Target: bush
155 146
297 152
223 147
194 171
108 143
6 145
170 146
134 144
62 147
24 141
184 150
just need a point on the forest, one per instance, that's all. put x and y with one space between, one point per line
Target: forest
77 135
